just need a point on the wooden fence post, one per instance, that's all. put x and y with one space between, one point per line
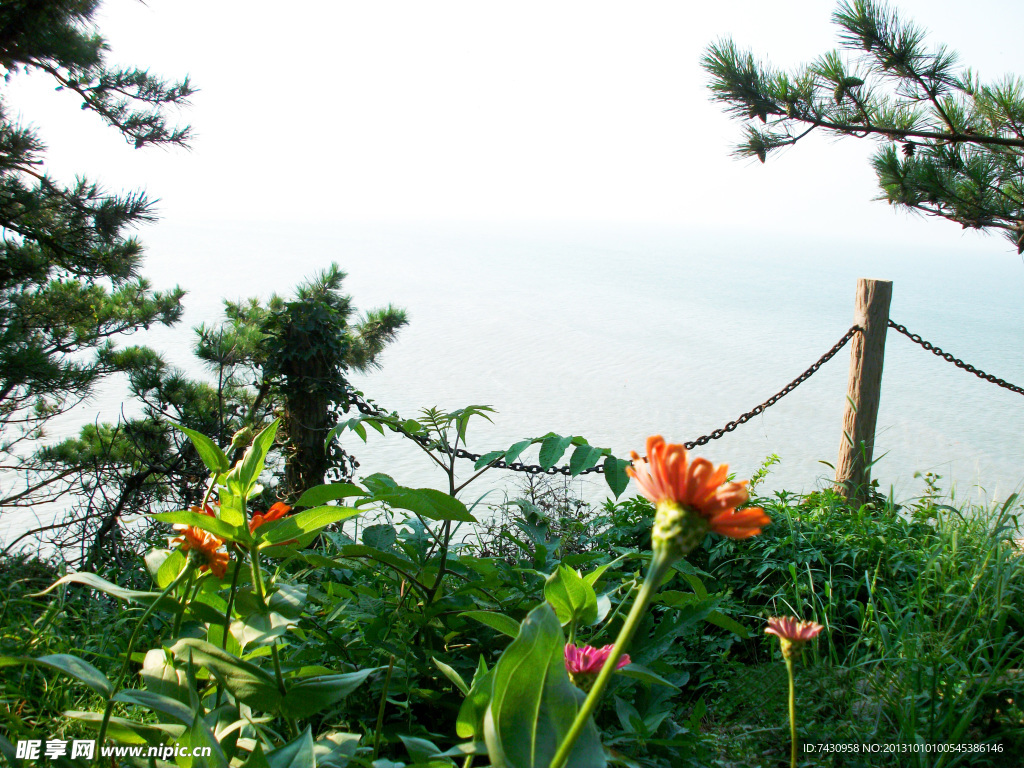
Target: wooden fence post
871 313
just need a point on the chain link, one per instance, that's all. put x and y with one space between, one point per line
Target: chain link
536 469
955 360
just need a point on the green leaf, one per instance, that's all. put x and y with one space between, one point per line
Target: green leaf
246 682
380 537
200 737
77 668
93 581
499 621
298 753
319 495
309 695
362 551
427 502
256 455
452 675
571 597
517 448
719 619
639 672
420 750
256 758
124 731
487 458
584 457
309 521
162 678
216 526
212 456
170 568
533 703
615 474
260 628
470 720
164 705
551 450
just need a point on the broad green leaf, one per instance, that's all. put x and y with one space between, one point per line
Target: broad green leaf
246 682
200 738
470 721
163 678
163 705
214 525
80 669
427 502
643 673
256 758
592 577
297 753
319 495
533 704
379 481
551 450
420 750
571 597
212 456
719 619
499 621
256 455
170 568
615 474
305 522
125 731
514 452
388 558
452 675
308 695
231 511
584 457
335 749
260 628
381 536
487 458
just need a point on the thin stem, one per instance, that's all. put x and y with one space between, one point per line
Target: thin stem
227 614
659 565
380 710
792 713
186 572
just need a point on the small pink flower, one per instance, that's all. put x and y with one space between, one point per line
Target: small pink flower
583 664
792 632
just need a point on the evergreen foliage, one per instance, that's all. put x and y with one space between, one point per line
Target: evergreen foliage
69 269
952 146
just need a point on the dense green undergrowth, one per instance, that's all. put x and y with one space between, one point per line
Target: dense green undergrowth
922 643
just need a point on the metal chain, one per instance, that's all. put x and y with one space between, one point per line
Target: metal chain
955 360
714 435
536 469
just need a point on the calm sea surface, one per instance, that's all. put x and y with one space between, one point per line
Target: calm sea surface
616 335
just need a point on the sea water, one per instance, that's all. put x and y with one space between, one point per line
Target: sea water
619 333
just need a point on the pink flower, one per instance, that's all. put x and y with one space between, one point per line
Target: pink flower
792 632
583 664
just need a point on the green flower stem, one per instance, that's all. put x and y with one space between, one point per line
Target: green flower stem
186 572
659 566
176 629
227 612
792 712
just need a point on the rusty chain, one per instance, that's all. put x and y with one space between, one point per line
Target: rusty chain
955 360
535 469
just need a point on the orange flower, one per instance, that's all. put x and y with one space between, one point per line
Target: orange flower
792 633
276 512
205 545
692 498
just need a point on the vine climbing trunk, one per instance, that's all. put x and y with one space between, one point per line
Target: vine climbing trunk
871 315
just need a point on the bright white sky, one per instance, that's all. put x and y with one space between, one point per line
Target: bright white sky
470 110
